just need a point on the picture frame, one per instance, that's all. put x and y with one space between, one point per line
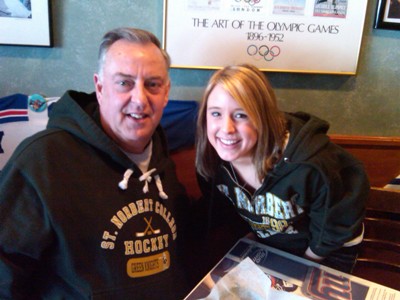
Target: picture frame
295 36
387 15
25 23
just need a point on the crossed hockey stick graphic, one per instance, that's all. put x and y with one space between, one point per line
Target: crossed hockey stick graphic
149 229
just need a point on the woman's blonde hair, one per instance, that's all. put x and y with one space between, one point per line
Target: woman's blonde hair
253 92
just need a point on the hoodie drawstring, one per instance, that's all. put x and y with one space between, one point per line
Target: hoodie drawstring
146 177
161 192
123 184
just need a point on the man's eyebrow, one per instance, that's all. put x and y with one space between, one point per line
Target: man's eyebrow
154 77
122 75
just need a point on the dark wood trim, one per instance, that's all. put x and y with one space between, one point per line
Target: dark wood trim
380 155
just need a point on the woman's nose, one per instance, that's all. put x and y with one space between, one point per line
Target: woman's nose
228 125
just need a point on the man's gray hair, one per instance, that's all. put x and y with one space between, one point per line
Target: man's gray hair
133 35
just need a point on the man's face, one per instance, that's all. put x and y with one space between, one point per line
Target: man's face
132 93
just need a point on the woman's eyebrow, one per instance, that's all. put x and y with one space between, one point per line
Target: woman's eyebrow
213 107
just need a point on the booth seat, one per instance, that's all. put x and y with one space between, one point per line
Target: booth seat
380 156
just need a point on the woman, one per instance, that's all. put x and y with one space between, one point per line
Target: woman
298 191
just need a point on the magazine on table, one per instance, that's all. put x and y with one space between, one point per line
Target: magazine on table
287 277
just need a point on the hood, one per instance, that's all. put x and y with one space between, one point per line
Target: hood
305 129
78 114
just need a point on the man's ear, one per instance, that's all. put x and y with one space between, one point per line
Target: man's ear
98 87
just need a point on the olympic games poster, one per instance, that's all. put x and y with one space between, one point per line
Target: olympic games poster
304 36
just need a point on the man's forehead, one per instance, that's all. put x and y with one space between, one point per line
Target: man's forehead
128 57
135 49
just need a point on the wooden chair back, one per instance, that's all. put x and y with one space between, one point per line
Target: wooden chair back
379 258
380 155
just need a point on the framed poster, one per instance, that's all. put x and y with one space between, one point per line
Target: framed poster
25 23
387 15
304 36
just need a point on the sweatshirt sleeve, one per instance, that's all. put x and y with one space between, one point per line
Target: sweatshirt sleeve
24 234
337 213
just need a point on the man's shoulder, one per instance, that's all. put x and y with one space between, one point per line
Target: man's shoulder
40 143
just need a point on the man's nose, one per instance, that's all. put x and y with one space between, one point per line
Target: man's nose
138 94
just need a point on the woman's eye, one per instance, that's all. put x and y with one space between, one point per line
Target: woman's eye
240 116
215 114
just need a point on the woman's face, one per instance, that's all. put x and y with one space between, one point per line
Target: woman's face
229 129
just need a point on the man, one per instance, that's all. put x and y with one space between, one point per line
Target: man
91 207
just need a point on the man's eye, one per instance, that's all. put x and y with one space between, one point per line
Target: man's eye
123 83
154 86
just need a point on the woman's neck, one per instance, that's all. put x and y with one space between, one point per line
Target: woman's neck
246 174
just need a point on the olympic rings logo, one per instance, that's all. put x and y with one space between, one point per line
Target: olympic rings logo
251 2
268 53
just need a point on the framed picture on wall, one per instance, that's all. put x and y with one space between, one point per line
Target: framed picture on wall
387 14
25 23
303 36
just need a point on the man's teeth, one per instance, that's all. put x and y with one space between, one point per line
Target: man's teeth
136 116
228 142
